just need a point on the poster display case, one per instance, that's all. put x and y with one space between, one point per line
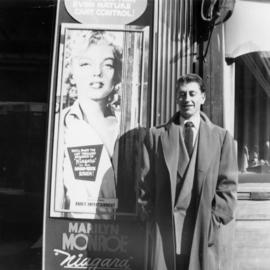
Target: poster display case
97 115
98 106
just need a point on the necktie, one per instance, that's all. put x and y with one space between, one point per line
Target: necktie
189 134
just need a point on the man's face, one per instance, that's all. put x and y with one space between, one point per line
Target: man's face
93 72
190 98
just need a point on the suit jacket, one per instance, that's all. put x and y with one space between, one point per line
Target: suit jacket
216 182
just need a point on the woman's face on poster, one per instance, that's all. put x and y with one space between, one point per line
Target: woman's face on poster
93 72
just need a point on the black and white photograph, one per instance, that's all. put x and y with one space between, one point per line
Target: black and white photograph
135 135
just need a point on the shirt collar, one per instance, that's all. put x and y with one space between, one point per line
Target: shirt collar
74 111
194 119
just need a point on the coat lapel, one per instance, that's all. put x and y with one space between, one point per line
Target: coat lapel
205 152
183 155
173 149
170 146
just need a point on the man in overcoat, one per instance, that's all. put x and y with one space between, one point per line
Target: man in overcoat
188 184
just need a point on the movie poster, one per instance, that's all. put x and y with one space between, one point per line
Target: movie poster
98 111
96 245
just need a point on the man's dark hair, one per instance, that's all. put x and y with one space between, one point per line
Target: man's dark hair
188 78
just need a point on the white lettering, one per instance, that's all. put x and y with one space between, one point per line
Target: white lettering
94 242
75 227
83 4
78 261
74 241
113 5
117 13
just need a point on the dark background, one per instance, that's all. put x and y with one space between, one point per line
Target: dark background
26 42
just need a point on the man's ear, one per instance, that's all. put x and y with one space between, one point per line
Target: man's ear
203 97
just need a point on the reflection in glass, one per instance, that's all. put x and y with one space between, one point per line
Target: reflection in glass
252 126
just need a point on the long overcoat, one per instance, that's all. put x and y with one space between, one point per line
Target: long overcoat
216 184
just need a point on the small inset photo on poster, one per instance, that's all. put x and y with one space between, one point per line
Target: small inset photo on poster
99 105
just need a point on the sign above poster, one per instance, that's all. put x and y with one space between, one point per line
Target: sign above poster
105 11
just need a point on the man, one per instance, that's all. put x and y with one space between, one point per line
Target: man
188 186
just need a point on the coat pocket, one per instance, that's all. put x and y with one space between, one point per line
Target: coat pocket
213 231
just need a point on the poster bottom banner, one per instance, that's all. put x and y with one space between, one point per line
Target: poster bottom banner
95 245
